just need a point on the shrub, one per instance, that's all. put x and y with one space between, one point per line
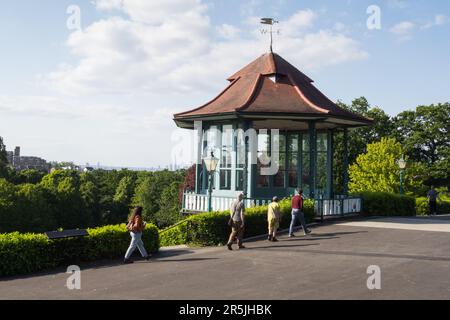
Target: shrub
212 228
24 253
423 209
387 204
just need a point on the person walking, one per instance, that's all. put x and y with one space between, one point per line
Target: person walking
273 218
297 213
237 222
136 226
432 196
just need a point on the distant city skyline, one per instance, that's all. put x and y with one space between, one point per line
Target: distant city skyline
99 80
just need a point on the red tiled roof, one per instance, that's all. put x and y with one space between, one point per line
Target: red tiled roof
252 91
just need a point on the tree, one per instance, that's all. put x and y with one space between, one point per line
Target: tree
377 170
32 212
64 186
425 135
3 159
169 206
360 137
7 203
149 190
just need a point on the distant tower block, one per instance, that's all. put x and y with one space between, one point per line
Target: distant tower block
17 152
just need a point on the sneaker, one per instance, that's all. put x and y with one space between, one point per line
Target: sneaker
269 238
148 257
307 232
229 247
127 261
274 239
292 235
241 247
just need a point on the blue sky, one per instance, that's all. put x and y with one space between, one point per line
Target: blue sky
106 93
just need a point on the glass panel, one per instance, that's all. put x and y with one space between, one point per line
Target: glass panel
293 178
239 180
293 143
321 171
278 180
322 142
227 146
281 142
262 181
225 179
306 181
305 142
292 161
240 148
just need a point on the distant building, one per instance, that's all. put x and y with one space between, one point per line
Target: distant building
19 162
88 169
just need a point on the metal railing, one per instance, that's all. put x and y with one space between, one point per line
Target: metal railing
193 202
337 207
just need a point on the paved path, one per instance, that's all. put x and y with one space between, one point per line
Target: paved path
437 224
330 264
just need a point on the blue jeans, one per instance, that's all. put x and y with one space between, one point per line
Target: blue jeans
297 214
136 241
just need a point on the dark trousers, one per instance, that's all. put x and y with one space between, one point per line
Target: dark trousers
433 206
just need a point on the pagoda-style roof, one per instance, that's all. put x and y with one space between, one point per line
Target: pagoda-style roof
274 93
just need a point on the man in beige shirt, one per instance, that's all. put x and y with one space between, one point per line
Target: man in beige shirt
237 222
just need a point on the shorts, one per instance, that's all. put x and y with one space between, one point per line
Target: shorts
274 224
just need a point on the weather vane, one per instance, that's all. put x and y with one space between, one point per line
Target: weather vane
271 22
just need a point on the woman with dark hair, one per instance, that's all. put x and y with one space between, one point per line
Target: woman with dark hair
136 226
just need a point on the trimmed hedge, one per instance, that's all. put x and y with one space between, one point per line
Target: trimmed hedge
22 253
387 204
212 228
423 209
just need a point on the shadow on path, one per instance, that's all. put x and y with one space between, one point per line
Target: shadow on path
379 255
275 246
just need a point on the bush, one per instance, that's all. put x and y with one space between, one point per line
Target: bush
212 228
387 204
24 253
423 209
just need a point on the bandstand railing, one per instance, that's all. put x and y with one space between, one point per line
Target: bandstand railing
338 206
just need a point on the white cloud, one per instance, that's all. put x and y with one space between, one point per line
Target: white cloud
298 22
403 30
228 32
439 20
398 4
170 48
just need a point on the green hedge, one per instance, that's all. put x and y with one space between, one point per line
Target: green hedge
387 204
423 209
22 253
212 228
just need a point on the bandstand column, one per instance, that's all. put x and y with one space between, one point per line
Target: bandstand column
312 158
345 167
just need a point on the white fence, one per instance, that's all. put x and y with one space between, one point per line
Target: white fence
323 207
199 202
334 207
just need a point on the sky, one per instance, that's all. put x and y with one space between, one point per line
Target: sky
97 81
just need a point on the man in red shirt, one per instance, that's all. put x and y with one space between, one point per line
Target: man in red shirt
297 213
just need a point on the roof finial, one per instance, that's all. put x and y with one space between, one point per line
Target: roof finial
271 22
